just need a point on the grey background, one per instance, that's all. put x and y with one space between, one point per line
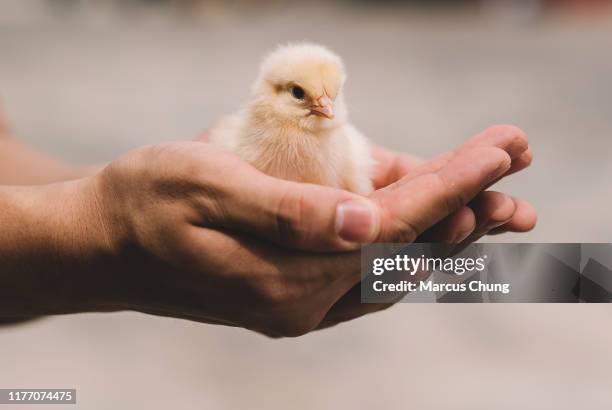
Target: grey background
89 83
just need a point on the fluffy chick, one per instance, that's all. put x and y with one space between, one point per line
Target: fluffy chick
296 126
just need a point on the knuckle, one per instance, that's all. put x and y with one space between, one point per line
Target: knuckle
400 229
277 295
273 292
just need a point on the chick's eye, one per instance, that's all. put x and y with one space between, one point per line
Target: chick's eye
297 92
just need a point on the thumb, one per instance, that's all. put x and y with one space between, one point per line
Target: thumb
298 215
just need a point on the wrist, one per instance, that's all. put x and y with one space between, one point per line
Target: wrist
56 254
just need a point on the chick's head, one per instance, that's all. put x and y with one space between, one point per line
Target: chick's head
301 83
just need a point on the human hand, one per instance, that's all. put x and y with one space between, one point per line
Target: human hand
488 213
307 224
188 231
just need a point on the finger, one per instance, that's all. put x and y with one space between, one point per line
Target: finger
492 210
391 166
349 306
303 216
306 217
506 137
413 205
452 229
524 219
522 162
510 138
297 215
498 215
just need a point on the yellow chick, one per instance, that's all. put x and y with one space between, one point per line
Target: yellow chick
296 126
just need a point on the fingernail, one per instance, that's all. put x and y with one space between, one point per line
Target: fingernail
462 236
496 224
356 221
499 171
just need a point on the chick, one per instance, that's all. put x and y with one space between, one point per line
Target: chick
295 126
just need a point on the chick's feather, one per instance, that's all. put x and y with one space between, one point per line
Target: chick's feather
296 126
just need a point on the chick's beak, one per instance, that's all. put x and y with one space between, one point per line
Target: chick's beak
323 107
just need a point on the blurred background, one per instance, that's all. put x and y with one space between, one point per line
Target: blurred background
87 80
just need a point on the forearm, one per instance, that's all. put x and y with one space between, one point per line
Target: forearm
49 250
21 165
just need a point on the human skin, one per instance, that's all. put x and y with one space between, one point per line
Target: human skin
188 231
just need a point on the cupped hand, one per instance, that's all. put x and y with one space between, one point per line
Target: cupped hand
193 232
490 212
